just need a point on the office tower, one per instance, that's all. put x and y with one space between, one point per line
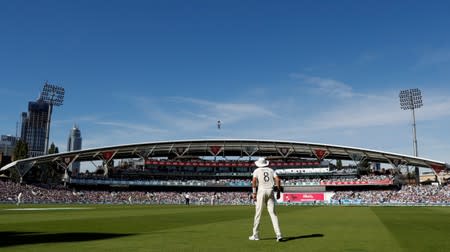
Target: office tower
34 127
74 143
7 145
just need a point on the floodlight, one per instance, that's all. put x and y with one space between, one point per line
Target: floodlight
54 96
410 100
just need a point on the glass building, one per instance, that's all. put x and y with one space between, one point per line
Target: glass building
7 144
34 127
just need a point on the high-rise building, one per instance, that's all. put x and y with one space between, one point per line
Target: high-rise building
34 127
74 143
7 144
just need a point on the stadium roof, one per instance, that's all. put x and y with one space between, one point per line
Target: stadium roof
274 149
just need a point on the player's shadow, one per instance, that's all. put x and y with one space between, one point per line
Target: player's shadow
8 239
291 238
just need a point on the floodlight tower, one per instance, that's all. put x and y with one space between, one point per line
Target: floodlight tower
54 96
411 99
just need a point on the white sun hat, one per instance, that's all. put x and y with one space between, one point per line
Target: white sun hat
261 162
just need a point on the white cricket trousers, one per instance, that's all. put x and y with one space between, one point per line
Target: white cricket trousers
265 197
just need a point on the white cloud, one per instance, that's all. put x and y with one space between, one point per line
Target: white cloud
357 113
326 85
165 119
132 127
77 120
237 109
191 114
435 107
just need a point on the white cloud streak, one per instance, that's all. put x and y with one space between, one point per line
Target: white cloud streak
191 114
326 85
132 127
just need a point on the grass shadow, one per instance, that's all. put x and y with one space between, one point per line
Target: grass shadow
8 239
291 238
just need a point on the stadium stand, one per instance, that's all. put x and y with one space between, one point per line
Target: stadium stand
156 185
211 177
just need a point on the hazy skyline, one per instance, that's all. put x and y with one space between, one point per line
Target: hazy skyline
313 71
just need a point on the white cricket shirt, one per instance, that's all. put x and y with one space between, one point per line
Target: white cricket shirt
265 176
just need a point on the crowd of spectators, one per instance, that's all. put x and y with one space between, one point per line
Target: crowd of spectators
349 179
240 181
60 194
408 194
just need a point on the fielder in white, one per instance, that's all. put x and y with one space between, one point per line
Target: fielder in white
19 199
263 182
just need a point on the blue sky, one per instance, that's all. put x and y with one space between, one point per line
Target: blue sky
315 71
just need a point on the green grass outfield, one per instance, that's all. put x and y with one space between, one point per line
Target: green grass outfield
222 228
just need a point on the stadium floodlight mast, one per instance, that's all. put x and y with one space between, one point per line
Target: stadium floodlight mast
54 96
411 99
